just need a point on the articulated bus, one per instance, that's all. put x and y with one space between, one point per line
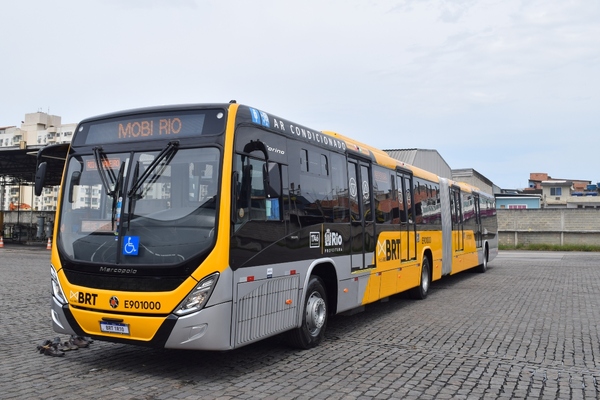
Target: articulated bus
213 226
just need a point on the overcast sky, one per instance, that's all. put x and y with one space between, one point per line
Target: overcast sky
507 87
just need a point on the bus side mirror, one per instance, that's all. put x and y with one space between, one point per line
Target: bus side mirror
265 176
245 189
40 178
273 184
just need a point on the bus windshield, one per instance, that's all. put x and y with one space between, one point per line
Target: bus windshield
144 207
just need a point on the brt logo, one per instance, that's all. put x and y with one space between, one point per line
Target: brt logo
84 298
388 250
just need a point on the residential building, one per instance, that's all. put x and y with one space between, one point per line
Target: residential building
555 193
516 200
37 128
564 193
536 179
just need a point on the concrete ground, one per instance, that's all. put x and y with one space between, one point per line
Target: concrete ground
528 328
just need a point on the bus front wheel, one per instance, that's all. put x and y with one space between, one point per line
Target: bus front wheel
314 317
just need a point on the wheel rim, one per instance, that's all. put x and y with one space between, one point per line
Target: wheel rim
315 313
425 278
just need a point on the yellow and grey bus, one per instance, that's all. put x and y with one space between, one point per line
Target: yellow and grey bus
213 226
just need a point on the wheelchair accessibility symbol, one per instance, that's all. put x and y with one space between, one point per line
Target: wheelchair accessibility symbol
131 245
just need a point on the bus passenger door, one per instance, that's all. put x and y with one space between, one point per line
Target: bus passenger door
458 232
407 221
479 227
368 215
363 229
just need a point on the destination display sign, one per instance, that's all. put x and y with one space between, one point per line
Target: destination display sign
112 163
154 126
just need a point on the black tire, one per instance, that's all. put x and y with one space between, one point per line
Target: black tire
314 317
421 291
481 268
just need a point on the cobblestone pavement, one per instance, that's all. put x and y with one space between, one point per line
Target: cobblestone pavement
528 328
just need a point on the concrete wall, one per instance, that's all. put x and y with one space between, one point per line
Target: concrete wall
549 226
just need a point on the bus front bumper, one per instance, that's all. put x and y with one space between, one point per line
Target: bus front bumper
207 329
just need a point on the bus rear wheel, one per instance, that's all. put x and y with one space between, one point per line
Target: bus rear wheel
421 291
484 265
314 317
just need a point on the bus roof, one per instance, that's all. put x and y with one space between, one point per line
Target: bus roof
378 156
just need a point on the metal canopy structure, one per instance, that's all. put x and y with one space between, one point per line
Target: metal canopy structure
19 165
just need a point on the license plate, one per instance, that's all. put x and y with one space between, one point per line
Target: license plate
114 327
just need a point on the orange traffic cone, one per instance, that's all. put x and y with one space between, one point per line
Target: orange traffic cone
49 245
1 241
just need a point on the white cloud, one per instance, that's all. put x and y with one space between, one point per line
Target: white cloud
464 77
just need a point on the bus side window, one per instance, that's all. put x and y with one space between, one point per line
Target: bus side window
251 201
401 196
273 209
353 191
408 199
383 195
366 186
339 179
258 206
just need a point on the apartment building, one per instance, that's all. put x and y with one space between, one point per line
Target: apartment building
563 193
37 129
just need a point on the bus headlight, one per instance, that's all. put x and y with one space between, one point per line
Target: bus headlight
199 296
57 291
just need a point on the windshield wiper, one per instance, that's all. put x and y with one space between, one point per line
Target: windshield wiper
117 200
103 170
131 203
116 182
169 152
